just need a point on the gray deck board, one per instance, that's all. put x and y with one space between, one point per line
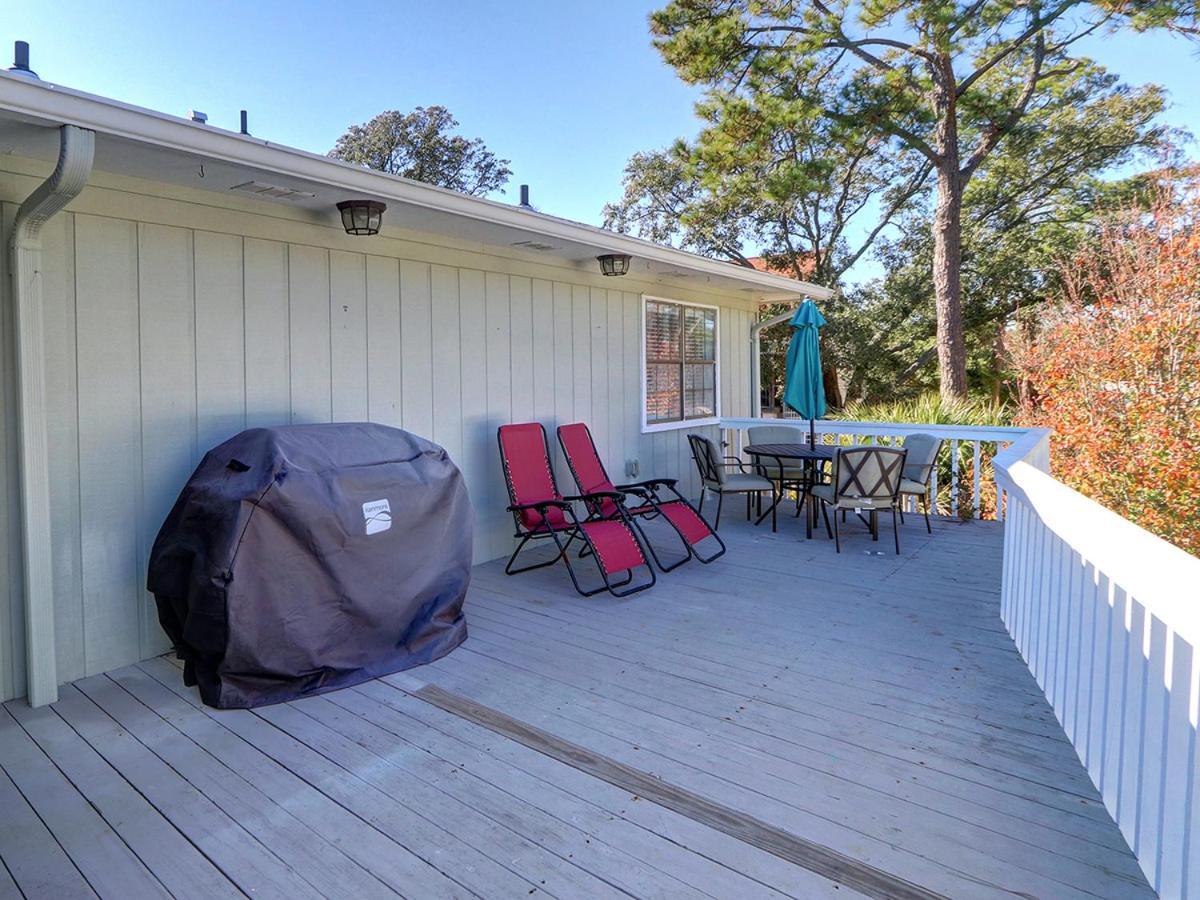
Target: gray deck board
303 849
866 703
95 849
35 865
183 870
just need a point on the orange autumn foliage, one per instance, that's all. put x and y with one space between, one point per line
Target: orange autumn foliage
1114 368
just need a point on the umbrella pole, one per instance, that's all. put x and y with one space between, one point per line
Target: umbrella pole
812 432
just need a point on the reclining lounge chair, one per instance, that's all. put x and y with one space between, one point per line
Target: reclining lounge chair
540 511
654 497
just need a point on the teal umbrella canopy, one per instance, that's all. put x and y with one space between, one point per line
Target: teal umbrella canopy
805 391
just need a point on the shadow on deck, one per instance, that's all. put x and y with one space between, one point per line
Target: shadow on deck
783 722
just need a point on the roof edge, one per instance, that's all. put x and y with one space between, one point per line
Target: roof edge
41 101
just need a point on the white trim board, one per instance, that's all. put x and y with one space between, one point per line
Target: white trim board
714 419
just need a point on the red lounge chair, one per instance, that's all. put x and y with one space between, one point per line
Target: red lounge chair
540 511
655 497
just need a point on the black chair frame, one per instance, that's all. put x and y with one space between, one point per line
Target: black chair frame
571 533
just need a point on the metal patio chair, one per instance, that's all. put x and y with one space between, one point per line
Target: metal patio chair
715 478
864 478
540 512
654 498
792 478
923 450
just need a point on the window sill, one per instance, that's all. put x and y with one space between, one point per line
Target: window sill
675 426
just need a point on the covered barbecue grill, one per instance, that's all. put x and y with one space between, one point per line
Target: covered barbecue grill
306 558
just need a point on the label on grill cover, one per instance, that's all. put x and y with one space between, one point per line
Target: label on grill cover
378 516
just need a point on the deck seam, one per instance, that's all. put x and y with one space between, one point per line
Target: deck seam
814 857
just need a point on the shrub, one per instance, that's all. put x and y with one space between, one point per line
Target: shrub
1114 368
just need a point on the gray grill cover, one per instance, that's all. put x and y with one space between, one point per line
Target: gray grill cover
302 559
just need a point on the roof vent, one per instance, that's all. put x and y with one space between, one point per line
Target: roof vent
525 197
196 116
534 245
20 64
272 191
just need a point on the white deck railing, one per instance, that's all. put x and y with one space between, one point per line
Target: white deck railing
1107 616
984 443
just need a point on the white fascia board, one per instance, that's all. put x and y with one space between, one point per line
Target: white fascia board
40 101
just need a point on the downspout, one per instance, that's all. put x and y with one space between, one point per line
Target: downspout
75 154
756 358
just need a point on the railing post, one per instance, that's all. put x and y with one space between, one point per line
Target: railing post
976 499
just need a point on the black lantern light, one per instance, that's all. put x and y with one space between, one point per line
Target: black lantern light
361 216
613 263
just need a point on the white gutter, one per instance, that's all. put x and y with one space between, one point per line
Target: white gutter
40 101
76 151
756 359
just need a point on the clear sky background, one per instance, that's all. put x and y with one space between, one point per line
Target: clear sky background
566 90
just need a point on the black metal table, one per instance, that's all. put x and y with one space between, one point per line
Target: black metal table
812 456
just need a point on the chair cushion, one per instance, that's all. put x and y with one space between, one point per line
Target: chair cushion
825 492
908 486
789 473
739 482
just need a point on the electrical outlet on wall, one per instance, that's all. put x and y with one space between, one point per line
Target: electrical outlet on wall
631 468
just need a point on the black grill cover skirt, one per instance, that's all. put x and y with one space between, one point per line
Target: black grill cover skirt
302 559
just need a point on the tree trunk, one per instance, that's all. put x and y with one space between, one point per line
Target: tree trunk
947 243
833 385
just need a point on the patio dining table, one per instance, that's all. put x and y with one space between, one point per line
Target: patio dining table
813 457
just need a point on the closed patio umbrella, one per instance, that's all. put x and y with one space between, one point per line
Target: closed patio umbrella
805 392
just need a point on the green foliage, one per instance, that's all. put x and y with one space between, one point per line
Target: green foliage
816 152
420 145
797 92
928 409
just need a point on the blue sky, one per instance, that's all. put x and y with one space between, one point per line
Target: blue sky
566 90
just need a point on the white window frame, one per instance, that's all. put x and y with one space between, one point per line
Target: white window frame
650 428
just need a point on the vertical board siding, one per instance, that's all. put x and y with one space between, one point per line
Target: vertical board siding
62 436
447 387
383 361
309 330
267 324
167 349
164 341
12 620
1122 683
110 447
490 493
478 458
220 338
348 336
416 350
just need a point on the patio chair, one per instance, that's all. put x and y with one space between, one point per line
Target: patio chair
923 450
655 497
793 478
540 511
864 478
715 478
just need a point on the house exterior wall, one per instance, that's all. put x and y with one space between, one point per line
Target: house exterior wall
176 318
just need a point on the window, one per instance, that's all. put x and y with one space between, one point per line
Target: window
681 362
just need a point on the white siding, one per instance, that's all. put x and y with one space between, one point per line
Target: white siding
172 326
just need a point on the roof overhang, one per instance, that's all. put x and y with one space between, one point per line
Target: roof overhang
141 143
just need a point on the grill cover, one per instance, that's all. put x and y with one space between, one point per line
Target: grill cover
306 558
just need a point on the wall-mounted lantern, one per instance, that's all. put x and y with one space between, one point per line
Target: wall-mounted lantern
361 216
613 263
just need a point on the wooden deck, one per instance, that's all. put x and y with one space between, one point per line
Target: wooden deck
784 722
